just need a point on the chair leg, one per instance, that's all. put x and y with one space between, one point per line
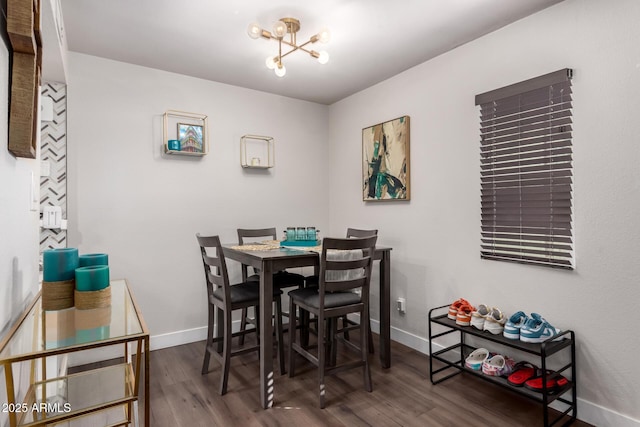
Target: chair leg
293 321
280 336
321 359
345 323
304 328
207 353
226 352
370 341
243 325
332 343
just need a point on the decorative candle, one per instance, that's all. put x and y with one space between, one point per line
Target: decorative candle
174 144
255 161
92 278
59 264
94 259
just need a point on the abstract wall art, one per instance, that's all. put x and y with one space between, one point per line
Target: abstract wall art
385 161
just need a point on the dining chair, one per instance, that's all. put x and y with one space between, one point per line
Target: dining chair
345 267
347 323
224 298
281 279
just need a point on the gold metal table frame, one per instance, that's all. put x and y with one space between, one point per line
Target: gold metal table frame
107 394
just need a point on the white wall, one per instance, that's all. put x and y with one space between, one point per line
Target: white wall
436 236
19 229
144 209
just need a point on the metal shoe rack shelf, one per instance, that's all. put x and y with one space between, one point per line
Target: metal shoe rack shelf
453 358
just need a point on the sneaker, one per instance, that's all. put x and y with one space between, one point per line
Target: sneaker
498 366
478 316
494 322
476 359
514 324
463 318
537 330
453 308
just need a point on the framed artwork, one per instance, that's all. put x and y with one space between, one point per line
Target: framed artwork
385 161
191 137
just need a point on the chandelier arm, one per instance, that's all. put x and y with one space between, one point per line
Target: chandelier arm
287 53
296 46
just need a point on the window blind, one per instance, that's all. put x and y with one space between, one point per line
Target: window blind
526 172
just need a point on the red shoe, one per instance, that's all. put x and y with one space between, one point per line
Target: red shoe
463 318
453 308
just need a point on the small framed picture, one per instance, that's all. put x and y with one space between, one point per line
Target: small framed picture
191 137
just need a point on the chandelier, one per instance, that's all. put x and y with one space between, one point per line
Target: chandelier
281 28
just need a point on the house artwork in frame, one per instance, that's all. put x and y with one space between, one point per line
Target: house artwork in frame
191 137
385 161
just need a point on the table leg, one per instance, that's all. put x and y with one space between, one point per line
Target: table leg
147 398
266 336
385 310
11 395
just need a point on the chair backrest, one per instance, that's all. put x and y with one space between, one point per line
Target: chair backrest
355 232
345 264
262 233
215 266
252 233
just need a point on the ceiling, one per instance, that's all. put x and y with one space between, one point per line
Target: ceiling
371 40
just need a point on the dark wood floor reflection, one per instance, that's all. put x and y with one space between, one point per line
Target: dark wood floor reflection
402 395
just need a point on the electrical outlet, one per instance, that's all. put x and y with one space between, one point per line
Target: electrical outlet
401 305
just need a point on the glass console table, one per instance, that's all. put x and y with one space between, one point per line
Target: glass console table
106 396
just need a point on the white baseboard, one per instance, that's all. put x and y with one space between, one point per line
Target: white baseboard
173 339
587 411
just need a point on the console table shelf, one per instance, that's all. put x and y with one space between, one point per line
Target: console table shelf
453 359
103 396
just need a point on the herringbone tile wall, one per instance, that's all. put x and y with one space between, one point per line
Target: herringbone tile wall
53 149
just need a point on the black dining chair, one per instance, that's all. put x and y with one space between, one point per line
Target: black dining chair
224 297
281 279
341 275
347 323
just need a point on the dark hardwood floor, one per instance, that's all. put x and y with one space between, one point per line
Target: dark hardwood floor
402 395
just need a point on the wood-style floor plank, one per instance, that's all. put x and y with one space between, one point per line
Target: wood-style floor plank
402 395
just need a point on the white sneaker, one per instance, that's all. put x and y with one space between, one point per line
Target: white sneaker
476 358
494 321
478 316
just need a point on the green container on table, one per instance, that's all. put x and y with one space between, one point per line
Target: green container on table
92 278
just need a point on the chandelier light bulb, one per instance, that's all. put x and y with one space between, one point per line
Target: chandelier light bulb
280 70
271 62
279 29
324 36
324 57
254 31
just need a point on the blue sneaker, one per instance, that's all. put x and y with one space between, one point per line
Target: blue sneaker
537 330
514 324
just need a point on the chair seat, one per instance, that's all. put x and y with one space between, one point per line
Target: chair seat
243 292
311 298
282 279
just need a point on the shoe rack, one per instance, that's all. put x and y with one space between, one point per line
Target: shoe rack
557 353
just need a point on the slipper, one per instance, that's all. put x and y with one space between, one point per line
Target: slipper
522 372
554 381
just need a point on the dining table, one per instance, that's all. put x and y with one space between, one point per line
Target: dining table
276 258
